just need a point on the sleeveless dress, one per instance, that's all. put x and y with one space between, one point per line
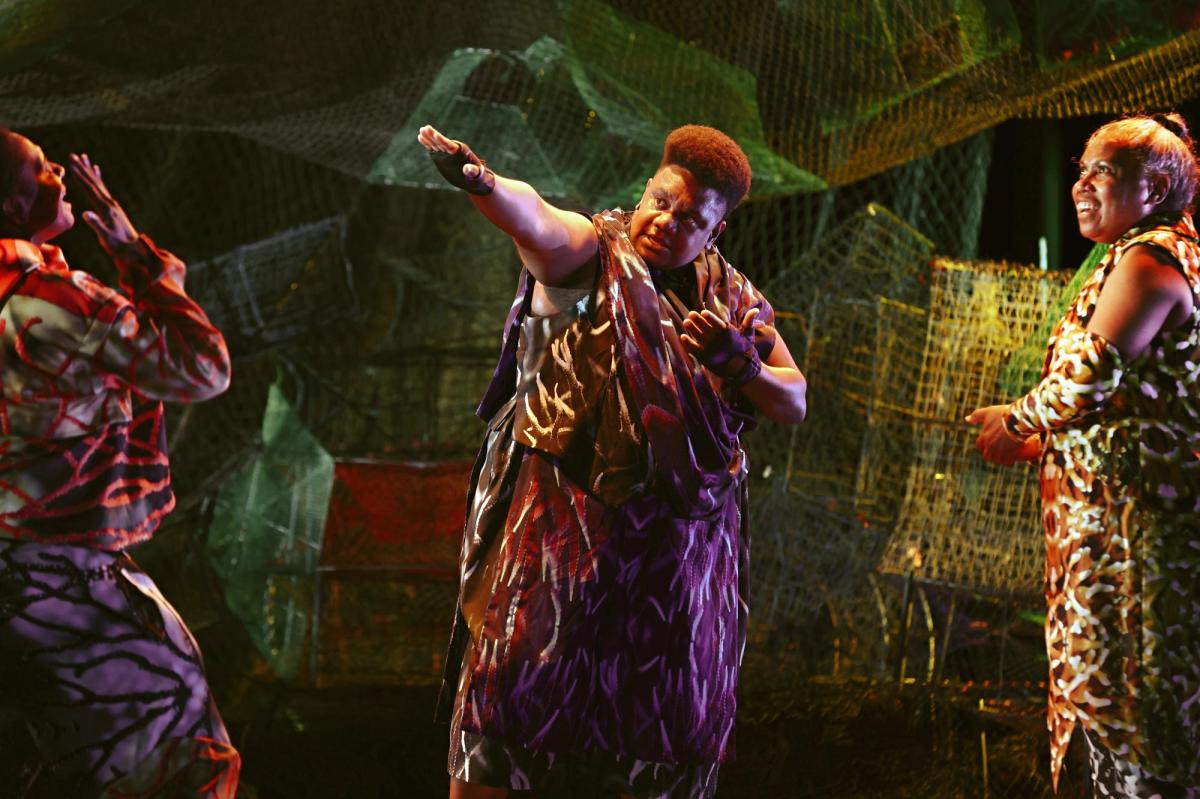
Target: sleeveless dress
1120 485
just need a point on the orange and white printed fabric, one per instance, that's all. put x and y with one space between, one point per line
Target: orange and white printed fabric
1120 485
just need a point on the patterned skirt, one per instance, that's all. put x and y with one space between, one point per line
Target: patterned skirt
485 761
480 760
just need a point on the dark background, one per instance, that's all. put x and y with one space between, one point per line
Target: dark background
1029 157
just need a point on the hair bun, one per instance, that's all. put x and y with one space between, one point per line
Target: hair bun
1174 123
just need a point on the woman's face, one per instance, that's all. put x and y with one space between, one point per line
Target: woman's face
1112 195
38 206
676 218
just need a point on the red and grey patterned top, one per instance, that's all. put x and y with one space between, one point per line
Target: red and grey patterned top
82 367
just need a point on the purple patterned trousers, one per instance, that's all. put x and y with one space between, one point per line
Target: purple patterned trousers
106 678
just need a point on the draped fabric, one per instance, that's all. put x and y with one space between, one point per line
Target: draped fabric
1120 484
604 565
107 677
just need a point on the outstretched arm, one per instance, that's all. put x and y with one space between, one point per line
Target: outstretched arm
556 246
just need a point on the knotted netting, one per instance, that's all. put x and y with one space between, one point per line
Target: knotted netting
238 130
270 144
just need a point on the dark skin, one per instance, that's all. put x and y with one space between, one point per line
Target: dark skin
107 218
39 211
1140 298
676 218
36 208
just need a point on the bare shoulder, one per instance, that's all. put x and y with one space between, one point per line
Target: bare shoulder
582 238
1149 269
571 261
1145 294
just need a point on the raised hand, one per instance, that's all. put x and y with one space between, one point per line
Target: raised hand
106 217
727 350
434 140
457 164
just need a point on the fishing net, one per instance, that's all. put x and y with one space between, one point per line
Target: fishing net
270 144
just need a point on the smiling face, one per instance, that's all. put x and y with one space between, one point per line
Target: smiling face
37 207
1112 194
676 218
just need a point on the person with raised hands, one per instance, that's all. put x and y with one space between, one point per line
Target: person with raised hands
95 665
1114 425
603 599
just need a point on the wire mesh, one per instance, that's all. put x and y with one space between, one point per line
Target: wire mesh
964 521
270 144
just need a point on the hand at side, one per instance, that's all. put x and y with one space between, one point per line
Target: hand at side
995 443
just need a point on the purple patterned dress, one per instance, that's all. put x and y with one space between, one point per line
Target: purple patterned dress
603 610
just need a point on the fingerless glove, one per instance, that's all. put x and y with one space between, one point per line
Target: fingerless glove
732 356
451 166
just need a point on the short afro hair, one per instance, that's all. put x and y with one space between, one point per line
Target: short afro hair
715 159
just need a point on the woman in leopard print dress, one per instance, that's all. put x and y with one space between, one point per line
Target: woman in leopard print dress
1115 425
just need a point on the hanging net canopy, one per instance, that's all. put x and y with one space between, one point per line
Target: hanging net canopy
577 95
272 145
247 131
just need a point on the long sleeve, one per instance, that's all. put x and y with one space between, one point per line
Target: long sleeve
80 461
1083 375
159 343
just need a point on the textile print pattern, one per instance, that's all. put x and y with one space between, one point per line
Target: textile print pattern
1115 778
608 616
1120 484
82 453
479 760
106 678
